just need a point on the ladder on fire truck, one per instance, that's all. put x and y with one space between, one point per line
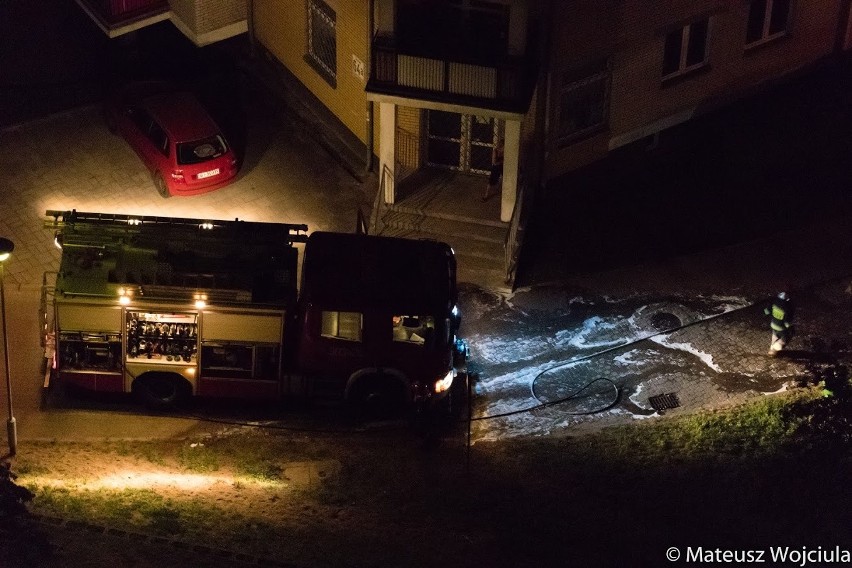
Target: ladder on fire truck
112 222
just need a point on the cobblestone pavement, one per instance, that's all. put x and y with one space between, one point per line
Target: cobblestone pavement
715 357
71 161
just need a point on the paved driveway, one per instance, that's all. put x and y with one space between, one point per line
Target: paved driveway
71 161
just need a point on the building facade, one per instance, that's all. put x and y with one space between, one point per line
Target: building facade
421 84
414 86
639 67
436 83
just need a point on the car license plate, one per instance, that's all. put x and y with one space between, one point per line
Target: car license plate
209 173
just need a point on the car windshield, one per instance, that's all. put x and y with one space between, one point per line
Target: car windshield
201 150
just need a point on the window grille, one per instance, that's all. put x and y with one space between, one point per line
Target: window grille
322 39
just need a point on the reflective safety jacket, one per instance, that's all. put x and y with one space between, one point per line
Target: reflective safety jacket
781 312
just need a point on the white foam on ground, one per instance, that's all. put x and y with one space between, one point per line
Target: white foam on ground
706 358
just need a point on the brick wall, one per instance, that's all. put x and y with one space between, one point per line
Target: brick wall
214 14
202 19
281 26
185 10
632 33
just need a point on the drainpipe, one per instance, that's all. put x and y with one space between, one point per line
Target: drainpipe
371 18
250 23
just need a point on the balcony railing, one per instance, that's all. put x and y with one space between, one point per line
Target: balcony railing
505 85
114 13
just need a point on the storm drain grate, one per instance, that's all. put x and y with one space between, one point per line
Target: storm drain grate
665 321
663 402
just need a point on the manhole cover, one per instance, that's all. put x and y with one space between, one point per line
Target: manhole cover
663 402
664 321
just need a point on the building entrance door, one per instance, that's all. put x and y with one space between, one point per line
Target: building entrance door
460 142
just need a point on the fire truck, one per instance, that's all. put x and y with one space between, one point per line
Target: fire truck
168 308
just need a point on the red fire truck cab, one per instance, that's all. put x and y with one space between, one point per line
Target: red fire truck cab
168 308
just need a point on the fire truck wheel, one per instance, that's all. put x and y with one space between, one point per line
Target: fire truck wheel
378 398
161 391
162 188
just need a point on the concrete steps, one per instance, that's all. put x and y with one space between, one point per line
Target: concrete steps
479 244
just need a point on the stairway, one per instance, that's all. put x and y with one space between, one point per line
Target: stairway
479 243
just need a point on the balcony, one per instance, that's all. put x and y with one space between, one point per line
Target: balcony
115 15
501 84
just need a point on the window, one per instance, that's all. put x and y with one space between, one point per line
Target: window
159 137
322 40
418 330
200 151
767 20
341 325
151 129
686 49
583 102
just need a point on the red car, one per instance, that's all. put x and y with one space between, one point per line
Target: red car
177 139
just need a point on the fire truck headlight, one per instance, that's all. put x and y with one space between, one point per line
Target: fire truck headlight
444 384
124 296
455 319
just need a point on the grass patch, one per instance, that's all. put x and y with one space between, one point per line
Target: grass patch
142 510
152 452
756 428
764 427
687 470
198 457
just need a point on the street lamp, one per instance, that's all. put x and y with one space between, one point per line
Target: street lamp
6 248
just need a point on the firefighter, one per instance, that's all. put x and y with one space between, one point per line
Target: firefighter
781 322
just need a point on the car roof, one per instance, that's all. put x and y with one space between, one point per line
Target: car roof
181 116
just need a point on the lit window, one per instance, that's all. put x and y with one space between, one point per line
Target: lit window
583 102
413 329
322 40
342 325
686 49
767 20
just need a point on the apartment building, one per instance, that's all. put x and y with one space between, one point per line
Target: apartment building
414 86
436 83
637 67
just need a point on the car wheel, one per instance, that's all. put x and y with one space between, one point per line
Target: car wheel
162 188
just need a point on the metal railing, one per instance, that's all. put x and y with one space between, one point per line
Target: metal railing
361 225
379 201
515 238
505 83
